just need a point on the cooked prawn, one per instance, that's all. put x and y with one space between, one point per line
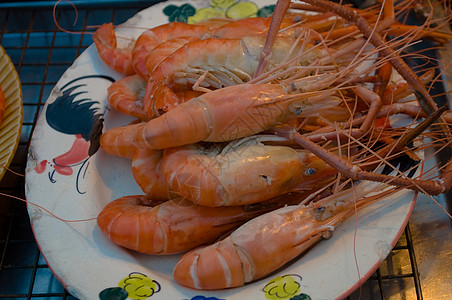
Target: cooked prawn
175 226
126 96
231 30
118 141
227 61
212 177
226 114
119 59
251 251
147 173
150 40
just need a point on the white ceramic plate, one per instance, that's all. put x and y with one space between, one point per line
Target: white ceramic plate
64 179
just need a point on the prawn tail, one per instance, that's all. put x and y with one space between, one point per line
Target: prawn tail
147 173
214 267
180 126
119 60
155 89
129 223
117 141
124 96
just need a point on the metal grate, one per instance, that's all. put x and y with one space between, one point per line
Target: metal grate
41 53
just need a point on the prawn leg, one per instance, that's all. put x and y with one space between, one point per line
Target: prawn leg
354 172
280 10
425 100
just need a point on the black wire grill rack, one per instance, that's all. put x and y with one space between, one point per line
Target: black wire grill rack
41 53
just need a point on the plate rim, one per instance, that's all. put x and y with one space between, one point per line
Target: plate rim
350 290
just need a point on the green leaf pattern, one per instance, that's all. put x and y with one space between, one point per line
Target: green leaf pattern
218 9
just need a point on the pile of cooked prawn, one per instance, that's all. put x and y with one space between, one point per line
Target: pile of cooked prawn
251 128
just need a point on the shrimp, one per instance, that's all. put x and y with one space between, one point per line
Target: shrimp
150 40
148 175
265 243
231 30
126 96
227 61
117 141
174 226
119 59
213 178
226 114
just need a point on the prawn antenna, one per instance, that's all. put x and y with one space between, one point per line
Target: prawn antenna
11 171
46 210
55 20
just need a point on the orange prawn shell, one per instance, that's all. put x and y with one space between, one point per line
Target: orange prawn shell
151 38
254 108
248 175
161 51
238 56
171 227
126 96
122 230
147 173
117 141
118 59
243 257
244 27
223 253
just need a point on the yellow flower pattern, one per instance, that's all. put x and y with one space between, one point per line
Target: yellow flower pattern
225 9
282 287
138 286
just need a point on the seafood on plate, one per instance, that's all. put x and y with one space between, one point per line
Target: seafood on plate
250 252
168 227
297 106
214 178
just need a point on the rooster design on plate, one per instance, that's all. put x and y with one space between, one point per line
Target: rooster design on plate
75 113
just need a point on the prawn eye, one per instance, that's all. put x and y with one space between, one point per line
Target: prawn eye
297 19
321 209
310 171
